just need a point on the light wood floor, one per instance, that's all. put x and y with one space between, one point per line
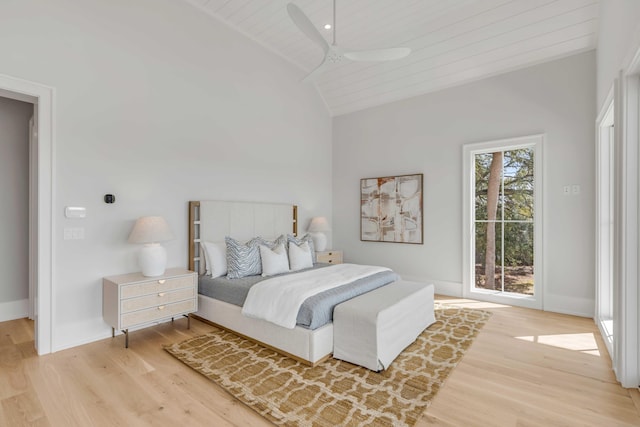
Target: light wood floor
526 368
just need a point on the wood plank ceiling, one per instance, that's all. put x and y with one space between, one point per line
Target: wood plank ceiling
452 41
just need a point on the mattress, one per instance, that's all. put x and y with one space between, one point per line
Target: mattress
315 312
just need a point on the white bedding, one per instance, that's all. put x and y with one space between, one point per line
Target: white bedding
278 299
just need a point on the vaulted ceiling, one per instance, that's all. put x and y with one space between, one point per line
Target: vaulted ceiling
452 41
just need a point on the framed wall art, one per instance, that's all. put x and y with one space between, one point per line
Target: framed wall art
391 209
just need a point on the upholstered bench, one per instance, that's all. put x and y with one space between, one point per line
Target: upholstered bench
372 329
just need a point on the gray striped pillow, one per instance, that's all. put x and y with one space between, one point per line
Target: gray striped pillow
306 238
243 259
271 244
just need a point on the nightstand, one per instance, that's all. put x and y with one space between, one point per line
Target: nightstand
329 257
133 300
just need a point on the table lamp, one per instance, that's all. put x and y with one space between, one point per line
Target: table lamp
318 226
151 230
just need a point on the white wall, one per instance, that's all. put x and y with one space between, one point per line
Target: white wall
619 24
14 207
158 104
426 134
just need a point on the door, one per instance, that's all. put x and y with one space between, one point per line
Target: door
503 221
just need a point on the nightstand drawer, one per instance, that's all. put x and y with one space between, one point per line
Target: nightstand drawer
156 286
154 300
156 313
329 257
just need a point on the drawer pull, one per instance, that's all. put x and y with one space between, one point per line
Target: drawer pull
330 261
161 307
161 294
161 281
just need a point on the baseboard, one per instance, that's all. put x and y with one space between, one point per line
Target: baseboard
583 307
78 343
63 343
450 289
13 310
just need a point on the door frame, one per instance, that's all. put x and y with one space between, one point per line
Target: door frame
468 249
627 339
625 357
43 97
33 213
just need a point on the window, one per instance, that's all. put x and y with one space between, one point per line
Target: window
501 219
605 226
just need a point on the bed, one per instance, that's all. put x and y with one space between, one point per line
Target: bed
212 221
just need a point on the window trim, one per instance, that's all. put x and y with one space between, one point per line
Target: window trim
468 220
606 259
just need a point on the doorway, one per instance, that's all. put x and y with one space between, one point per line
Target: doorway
42 97
502 221
15 118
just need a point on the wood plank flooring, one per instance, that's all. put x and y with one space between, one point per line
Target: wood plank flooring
526 368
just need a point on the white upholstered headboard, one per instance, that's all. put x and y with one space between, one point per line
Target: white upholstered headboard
213 220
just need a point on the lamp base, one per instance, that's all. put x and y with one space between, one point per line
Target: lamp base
319 241
153 259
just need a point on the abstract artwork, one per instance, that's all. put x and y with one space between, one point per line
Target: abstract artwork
391 209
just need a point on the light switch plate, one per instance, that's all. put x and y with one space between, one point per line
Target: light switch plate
73 233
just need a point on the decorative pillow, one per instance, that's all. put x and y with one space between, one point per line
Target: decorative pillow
299 256
215 255
205 255
271 244
274 261
243 259
304 239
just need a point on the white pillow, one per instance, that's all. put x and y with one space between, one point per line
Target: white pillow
215 255
274 261
299 256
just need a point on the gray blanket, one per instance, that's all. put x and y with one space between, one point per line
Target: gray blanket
316 311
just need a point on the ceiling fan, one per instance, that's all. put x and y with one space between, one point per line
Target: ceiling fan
334 54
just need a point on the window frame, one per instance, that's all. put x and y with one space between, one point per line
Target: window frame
606 224
536 142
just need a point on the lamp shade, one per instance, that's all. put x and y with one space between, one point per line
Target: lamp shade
150 229
319 224
317 227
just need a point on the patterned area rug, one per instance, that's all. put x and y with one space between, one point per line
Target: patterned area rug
335 393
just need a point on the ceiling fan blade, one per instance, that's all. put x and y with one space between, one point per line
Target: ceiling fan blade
306 26
378 54
316 71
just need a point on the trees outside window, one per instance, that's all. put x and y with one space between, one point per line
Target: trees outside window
504 220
